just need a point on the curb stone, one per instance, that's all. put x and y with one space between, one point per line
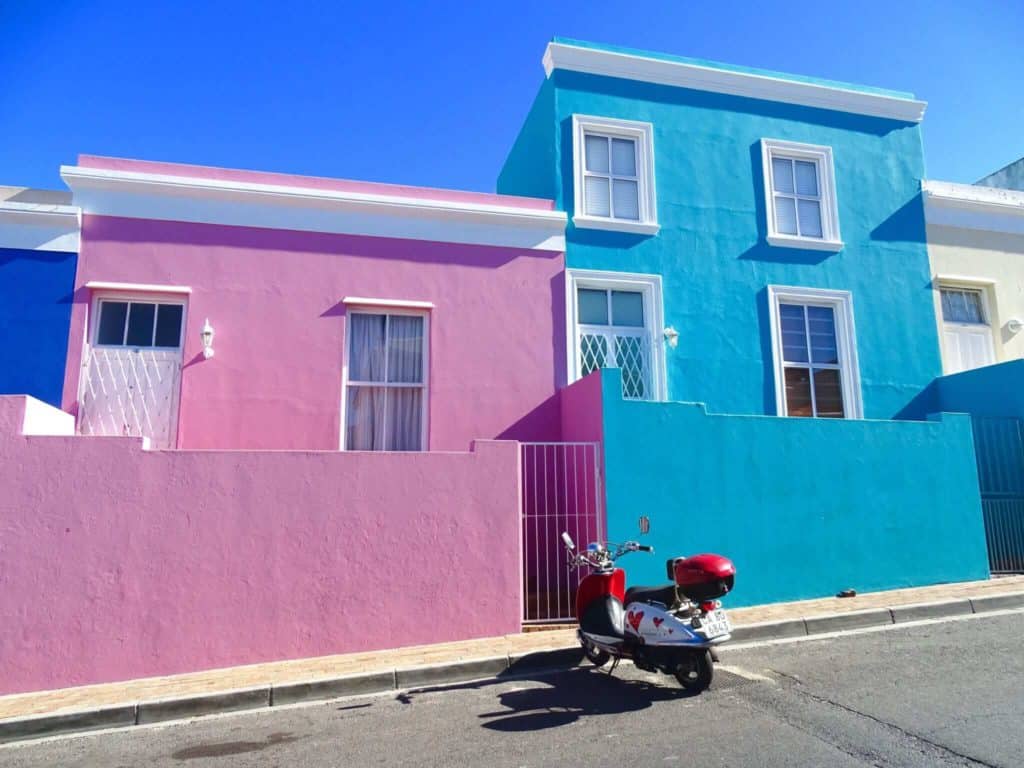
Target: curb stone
495 667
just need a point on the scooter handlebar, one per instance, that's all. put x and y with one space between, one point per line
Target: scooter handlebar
644 548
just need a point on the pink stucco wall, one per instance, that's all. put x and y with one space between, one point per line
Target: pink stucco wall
129 563
274 298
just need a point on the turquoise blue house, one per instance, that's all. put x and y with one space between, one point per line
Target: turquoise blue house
38 257
754 243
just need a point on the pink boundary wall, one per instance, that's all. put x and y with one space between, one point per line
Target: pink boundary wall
274 297
126 563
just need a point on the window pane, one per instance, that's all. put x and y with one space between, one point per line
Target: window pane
593 353
806 178
404 422
959 306
810 217
822 326
626 202
631 360
168 325
794 333
785 215
798 392
112 317
624 157
364 419
595 193
405 349
597 153
140 325
782 174
592 306
366 347
628 308
828 393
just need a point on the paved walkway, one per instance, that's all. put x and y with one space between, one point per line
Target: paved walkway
325 667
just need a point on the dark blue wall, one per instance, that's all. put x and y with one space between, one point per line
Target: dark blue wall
35 312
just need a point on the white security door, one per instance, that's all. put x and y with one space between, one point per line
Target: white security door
132 373
966 334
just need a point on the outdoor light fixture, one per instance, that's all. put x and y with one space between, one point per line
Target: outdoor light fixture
1014 325
207 336
672 336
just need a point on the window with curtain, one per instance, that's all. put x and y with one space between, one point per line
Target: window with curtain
386 386
611 184
800 195
797 197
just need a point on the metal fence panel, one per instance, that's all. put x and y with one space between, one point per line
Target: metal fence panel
999 446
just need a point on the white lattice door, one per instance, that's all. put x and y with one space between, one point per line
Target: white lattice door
131 378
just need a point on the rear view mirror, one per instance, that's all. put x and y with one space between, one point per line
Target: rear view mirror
645 524
567 540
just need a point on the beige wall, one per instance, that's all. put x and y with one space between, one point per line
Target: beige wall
993 261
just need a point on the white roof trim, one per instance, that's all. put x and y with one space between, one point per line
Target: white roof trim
360 301
100 285
631 66
213 201
39 226
967 206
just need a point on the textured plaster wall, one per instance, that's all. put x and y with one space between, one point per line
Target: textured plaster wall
711 250
35 309
275 300
804 507
986 256
129 563
995 390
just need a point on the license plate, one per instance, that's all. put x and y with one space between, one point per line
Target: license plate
715 624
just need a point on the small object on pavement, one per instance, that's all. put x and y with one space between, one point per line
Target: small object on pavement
848 593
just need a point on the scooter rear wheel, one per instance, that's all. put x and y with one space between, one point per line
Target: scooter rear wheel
595 655
695 671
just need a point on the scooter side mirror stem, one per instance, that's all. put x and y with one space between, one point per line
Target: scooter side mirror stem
567 540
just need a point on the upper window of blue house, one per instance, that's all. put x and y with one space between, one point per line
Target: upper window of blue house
613 164
800 196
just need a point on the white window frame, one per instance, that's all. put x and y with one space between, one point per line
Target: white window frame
841 303
643 135
372 307
983 285
654 319
138 298
821 156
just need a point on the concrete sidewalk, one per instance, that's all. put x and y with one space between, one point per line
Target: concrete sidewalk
273 684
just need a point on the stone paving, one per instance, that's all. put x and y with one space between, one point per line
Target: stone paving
325 667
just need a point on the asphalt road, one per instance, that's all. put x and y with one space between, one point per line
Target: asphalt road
944 694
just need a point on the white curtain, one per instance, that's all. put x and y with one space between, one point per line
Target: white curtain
385 348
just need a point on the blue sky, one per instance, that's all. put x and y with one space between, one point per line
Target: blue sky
433 92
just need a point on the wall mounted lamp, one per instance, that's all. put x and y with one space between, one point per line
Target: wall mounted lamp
672 337
207 337
1014 325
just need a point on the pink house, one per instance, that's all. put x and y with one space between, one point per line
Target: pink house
337 314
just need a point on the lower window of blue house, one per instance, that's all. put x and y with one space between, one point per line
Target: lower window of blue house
385 381
815 353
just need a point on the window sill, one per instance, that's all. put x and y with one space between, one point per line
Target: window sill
616 225
808 243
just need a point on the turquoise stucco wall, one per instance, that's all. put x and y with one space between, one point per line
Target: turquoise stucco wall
711 250
993 391
804 507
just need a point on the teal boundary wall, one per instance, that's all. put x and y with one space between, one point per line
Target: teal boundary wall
804 507
994 391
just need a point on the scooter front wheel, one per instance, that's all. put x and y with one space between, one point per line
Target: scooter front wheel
594 655
695 671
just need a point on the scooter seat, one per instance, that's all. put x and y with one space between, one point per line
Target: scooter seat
665 594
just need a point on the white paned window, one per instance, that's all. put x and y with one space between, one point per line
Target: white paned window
967 340
815 353
141 324
614 322
614 175
386 382
800 199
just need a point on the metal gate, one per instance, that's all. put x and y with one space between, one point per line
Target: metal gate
562 491
999 445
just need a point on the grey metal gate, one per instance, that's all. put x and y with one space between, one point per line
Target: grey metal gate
562 491
999 445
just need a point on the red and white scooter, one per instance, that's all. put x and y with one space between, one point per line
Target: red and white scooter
672 628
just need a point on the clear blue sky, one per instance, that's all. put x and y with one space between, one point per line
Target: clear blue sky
433 92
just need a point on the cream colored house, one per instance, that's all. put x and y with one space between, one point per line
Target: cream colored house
976 248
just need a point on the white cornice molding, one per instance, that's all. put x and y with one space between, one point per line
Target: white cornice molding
967 206
39 226
630 66
165 197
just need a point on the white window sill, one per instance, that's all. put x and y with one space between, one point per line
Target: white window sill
809 243
616 225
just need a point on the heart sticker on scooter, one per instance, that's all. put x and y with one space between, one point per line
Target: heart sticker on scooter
658 621
634 619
